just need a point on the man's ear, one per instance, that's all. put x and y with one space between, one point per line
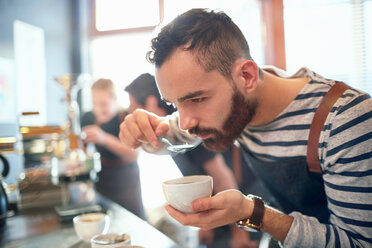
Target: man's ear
151 103
246 75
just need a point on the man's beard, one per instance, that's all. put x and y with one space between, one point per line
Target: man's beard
241 113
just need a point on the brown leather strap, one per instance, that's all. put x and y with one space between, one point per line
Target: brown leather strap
258 212
317 124
236 162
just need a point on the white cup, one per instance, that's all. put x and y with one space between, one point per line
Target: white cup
110 240
181 192
88 225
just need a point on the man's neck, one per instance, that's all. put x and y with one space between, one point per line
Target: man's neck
274 95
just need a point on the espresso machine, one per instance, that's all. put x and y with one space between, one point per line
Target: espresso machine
65 170
78 169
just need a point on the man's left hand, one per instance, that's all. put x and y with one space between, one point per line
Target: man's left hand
224 208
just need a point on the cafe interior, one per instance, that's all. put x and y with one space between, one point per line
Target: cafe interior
53 51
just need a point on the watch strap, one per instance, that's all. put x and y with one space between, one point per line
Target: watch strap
255 221
258 211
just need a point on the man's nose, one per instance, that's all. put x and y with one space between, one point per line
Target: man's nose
186 119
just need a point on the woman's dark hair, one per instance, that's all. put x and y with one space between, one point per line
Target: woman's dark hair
144 86
213 38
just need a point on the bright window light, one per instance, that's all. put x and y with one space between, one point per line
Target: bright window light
332 38
120 14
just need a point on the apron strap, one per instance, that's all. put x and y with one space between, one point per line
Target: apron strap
317 124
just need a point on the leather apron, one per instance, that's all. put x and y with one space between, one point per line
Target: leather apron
297 184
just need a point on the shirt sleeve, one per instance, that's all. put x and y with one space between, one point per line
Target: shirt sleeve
346 158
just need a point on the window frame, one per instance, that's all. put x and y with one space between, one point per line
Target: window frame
273 33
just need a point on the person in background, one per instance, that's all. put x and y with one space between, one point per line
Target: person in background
144 94
119 177
307 137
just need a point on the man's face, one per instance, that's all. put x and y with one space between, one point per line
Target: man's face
209 105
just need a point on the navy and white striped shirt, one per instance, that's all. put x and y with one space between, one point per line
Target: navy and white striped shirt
345 153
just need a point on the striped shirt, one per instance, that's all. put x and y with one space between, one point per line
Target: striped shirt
345 153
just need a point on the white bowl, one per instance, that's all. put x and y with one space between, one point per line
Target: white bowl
181 192
88 225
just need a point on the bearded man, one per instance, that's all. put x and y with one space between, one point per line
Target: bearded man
308 138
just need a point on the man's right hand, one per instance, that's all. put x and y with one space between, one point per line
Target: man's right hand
142 128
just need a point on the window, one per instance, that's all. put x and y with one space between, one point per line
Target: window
120 15
332 38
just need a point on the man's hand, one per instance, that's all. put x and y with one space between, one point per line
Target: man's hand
224 208
94 134
142 127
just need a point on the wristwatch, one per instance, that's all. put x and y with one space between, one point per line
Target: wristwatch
254 223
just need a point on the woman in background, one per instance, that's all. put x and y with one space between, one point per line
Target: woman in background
119 178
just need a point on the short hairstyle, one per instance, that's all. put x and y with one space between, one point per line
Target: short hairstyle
104 84
213 38
144 86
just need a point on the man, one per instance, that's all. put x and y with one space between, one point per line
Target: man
204 67
144 94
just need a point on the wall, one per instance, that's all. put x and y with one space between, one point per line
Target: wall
58 20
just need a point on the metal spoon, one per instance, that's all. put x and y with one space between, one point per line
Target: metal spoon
178 148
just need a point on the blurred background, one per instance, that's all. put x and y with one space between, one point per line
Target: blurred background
41 40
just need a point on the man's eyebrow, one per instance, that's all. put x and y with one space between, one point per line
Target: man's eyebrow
191 95
188 96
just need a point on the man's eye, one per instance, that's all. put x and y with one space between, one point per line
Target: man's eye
197 100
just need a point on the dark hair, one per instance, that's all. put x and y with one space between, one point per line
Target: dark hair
215 40
144 86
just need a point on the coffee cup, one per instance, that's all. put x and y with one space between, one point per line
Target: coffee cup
181 192
88 225
110 240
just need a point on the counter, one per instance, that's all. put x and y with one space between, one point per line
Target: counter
41 228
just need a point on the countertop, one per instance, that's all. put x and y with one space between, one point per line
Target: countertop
41 228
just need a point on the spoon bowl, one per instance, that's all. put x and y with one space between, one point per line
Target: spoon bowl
178 148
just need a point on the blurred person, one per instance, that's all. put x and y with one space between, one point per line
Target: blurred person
119 177
144 94
307 137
